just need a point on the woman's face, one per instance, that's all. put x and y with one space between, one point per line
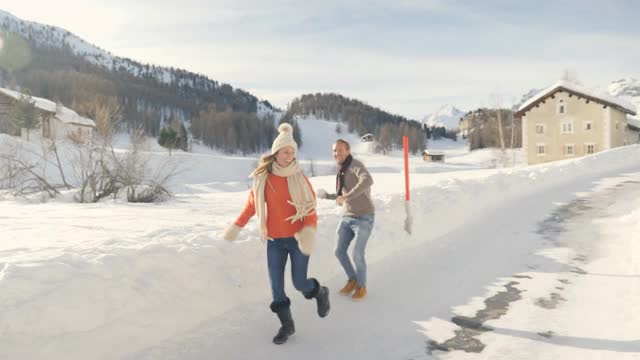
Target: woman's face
285 156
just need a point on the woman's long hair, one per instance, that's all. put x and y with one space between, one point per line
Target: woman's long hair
265 164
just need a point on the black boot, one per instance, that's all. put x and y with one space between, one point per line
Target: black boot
283 310
321 294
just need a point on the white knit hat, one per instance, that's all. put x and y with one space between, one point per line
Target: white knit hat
284 139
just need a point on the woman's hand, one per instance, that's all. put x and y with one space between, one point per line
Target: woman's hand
306 239
231 233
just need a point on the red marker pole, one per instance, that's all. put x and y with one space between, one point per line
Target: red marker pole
407 220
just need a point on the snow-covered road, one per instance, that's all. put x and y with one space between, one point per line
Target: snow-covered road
411 290
584 305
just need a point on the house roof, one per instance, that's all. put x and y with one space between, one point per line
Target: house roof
61 112
40 103
572 88
69 116
634 122
431 152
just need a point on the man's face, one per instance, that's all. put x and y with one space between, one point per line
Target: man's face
340 152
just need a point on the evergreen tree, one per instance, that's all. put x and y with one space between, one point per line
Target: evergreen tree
168 138
24 114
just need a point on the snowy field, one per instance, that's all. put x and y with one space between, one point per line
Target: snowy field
116 280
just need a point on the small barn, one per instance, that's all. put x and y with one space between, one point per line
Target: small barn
433 156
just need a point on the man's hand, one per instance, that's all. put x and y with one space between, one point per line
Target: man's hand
340 200
322 194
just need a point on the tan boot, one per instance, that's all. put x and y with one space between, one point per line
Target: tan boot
347 289
361 293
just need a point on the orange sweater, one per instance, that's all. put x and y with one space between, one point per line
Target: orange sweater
278 209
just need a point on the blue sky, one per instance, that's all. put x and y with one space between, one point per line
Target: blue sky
405 56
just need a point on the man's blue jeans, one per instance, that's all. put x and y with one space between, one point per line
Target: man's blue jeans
358 228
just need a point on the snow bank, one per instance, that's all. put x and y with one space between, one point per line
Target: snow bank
106 280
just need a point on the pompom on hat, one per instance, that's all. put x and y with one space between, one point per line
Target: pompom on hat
285 138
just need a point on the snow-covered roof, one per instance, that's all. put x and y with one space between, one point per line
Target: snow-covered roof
633 121
69 116
40 103
571 87
431 152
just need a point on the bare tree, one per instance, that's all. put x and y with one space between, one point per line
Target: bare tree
92 160
25 168
54 148
10 171
385 139
26 176
496 103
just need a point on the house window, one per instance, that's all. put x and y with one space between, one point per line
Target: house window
588 126
540 149
590 148
561 107
539 129
567 128
569 150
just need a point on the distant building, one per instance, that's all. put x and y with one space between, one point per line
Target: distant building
367 138
55 121
434 156
464 127
566 121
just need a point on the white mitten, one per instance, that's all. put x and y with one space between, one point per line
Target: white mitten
231 233
306 239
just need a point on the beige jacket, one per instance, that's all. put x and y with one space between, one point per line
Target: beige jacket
357 190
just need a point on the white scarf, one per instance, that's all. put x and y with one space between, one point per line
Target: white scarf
300 191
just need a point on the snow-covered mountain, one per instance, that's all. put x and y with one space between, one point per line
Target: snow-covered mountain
47 35
524 98
447 116
627 89
51 36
